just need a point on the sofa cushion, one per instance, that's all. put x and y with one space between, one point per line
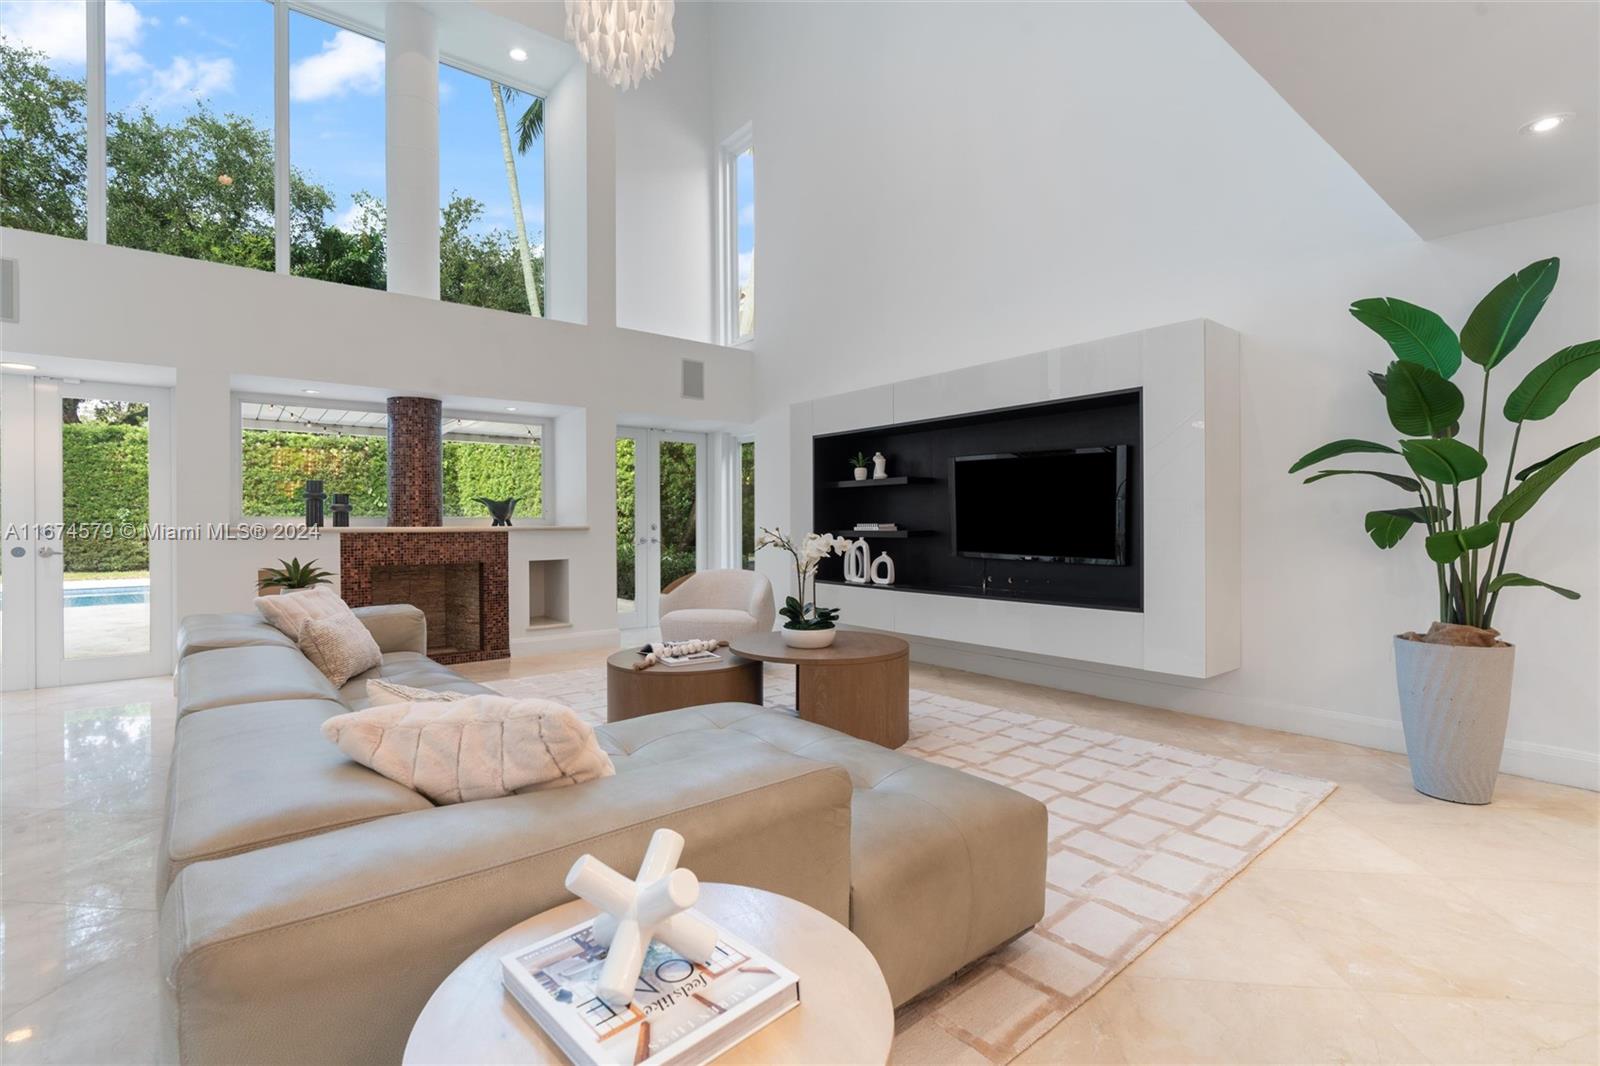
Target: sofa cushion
256 774
207 632
382 691
252 674
407 668
288 611
339 646
944 866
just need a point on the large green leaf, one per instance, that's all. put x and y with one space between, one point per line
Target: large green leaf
1420 402
1520 500
1448 461
1522 475
1339 447
1449 545
1502 318
1548 385
1388 527
1380 381
1416 334
1394 479
1519 580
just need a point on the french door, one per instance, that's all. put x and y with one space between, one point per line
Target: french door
88 532
661 482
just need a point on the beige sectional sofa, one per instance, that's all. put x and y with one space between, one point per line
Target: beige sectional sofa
310 906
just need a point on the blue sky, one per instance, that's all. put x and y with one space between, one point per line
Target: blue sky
167 54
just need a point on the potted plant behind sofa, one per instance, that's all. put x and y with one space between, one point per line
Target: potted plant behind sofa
289 576
805 624
1455 680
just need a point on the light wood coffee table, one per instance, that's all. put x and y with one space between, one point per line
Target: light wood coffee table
631 693
860 685
845 1014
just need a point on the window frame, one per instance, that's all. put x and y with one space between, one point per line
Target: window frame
727 310
547 475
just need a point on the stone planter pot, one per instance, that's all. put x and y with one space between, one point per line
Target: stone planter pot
861 473
1454 703
808 638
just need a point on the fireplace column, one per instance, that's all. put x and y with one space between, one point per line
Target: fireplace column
416 472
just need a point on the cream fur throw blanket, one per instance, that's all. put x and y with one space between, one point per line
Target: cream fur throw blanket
477 748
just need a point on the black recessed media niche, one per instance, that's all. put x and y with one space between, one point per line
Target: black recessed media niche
1040 504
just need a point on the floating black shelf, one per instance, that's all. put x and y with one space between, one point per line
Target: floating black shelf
897 534
886 481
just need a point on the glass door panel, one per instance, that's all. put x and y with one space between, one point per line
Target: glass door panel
630 544
660 518
678 497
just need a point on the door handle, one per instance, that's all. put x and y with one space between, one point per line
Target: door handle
47 551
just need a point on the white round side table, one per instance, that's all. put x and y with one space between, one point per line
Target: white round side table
845 1014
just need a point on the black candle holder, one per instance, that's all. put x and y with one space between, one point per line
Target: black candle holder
314 498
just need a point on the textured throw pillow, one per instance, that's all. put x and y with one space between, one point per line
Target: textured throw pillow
477 748
289 611
340 646
380 692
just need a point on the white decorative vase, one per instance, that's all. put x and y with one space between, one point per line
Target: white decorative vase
1454 704
857 562
808 638
880 467
861 473
883 570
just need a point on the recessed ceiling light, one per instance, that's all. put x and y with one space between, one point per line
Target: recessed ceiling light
18 366
519 54
510 408
309 392
17 1036
1546 123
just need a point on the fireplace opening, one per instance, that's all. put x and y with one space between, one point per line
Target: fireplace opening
447 593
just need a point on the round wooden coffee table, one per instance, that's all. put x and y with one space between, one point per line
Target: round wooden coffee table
861 684
845 1014
631 693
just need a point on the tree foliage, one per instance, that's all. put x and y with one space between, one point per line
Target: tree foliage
202 188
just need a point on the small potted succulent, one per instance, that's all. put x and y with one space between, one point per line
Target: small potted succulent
859 461
805 624
289 576
1455 679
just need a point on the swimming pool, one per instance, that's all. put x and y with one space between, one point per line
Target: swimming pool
105 595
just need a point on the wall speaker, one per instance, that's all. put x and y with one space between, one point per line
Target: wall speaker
694 379
8 290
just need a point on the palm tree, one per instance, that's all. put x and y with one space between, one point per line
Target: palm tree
530 127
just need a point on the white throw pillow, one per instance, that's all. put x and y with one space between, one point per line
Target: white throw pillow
289 611
340 646
381 692
477 748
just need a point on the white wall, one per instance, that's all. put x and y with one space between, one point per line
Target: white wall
666 190
950 184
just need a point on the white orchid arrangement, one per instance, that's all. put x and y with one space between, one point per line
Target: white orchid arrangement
812 549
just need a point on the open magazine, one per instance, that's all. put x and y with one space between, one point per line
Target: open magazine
682 1012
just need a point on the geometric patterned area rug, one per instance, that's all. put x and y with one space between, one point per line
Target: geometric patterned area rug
1140 834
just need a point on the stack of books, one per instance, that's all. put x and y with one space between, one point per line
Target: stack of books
682 1012
876 527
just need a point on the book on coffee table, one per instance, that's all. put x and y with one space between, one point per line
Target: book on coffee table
682 1013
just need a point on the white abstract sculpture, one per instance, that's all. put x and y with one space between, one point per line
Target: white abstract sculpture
886 565
856 562
655 905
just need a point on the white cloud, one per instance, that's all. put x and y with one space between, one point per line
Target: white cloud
747 262
347 63
185 80
56 28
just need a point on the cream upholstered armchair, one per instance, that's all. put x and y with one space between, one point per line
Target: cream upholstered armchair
717 605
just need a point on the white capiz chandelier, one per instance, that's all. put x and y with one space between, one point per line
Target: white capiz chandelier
623 41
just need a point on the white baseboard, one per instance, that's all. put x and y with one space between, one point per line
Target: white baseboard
1543 762
542 641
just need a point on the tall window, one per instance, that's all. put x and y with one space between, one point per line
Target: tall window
738 238
486 460
747 505
43 154
284 445
189 130
336 142
491 171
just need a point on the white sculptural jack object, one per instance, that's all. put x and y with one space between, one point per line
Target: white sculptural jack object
857 561
655 905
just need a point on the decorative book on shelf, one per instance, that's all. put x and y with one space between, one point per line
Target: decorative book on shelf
682 1013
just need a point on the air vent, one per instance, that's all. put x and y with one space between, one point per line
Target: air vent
8 290
694 379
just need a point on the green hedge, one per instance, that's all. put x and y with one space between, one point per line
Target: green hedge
673 566
278 463
105 487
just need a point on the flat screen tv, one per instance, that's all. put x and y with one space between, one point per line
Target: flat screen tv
1066 506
